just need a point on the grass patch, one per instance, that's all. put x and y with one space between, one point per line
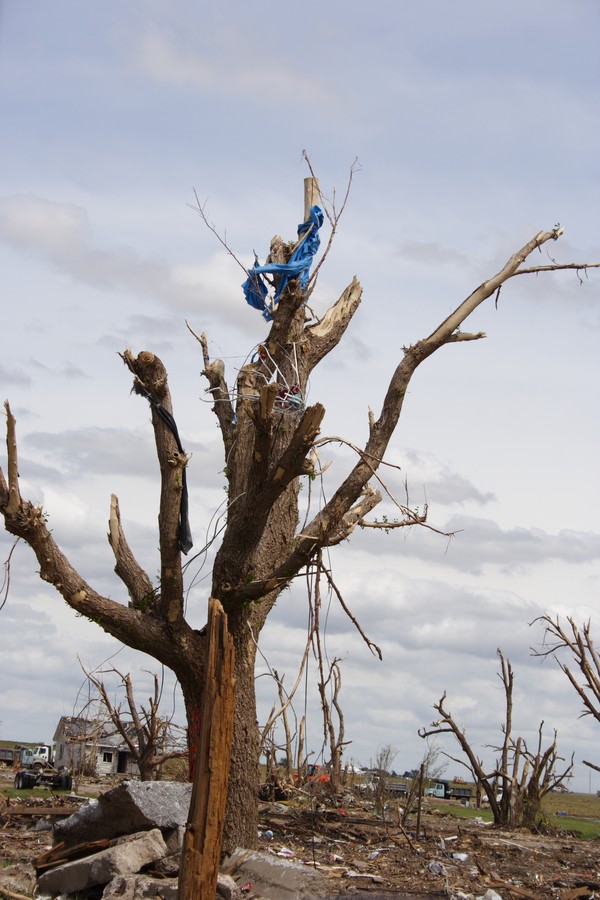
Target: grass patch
579 813
42 792
587 829
577 805
463 812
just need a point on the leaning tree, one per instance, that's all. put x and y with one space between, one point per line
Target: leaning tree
269 436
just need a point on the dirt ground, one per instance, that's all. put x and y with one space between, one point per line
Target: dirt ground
361 856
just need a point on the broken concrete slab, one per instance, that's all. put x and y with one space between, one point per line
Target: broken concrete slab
18 878
125 857
174 839
140 887
131 807
226 887
275 878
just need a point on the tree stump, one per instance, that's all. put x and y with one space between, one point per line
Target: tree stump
200 857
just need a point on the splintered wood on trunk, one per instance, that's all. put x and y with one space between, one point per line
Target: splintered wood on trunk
201 852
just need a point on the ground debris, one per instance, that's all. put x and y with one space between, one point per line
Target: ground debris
449 858
357 853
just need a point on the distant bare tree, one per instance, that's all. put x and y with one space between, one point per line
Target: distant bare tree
150 737
431 768
521 777
381 768
434 762
579 642
329 685
268 745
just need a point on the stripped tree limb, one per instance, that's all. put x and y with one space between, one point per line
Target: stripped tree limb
578 642
13 500
151 373
127 568
558 267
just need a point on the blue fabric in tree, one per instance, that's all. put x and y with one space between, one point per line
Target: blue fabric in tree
255 289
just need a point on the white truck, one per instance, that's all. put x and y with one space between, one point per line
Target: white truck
37 758
36 770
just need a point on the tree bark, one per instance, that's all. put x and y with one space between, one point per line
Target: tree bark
201 855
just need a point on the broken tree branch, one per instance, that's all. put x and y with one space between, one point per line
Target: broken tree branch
151 374
132 575
14 495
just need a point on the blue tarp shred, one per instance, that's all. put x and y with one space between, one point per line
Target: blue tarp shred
255 289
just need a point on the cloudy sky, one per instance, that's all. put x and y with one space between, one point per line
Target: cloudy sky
474 126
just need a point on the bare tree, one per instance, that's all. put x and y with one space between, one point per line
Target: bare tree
150 737
380 769
333 734
431 768
285 697
521 777
434 762
578 641
330 686
269 435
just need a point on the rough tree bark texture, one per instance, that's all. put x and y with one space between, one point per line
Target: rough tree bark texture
201 854
266 453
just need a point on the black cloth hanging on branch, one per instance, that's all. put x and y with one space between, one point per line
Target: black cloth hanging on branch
184 537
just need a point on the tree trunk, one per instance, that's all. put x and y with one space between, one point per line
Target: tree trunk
201 855
241 820
241 824
146 767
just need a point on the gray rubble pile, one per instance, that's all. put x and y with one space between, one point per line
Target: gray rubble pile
134 828
127 845
125 856
130 807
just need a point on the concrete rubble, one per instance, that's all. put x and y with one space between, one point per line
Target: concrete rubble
124 857
132 806
17 879
279 879
126 845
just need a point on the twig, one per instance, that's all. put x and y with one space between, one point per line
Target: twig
333 217
374 648
579 267
211 227
412 518
6 580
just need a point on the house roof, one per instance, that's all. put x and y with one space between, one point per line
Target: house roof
82 730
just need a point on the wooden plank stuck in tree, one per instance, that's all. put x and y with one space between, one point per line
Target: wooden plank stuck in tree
201 852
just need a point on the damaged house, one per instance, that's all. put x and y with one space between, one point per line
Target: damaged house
92 746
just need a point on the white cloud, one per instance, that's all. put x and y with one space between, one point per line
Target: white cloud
14 376
427 253
232 66
61 235
487 543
